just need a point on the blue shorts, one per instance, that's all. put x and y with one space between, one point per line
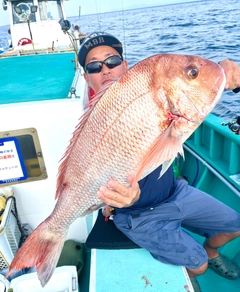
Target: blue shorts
159 230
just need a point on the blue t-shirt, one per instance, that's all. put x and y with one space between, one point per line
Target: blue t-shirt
154 190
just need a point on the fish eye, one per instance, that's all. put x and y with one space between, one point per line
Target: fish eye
192 72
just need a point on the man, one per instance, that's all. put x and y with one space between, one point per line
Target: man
153 219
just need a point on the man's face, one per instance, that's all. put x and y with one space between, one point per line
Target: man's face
97 80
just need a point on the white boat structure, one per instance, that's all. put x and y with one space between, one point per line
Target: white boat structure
43 94
42 97
34 27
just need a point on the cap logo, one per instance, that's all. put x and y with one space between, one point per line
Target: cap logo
94 42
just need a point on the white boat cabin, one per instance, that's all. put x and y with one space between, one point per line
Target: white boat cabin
34 24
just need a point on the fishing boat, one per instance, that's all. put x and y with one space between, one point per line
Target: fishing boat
43 94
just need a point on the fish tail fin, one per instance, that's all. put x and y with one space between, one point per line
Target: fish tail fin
41 249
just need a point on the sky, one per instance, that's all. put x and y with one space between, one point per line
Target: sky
98 6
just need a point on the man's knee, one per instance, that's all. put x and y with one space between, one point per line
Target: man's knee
198 271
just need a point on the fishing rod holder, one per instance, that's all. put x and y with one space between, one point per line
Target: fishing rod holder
234 125
65 24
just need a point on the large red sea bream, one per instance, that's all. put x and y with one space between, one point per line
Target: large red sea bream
138 123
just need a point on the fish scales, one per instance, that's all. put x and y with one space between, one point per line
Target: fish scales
139 123
114 131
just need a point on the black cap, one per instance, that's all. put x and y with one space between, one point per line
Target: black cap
97 39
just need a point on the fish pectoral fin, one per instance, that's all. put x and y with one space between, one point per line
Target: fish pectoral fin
163 151
165 167
169 162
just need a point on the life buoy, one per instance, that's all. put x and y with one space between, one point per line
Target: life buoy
24 41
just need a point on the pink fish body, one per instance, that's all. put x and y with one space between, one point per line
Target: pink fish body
137 124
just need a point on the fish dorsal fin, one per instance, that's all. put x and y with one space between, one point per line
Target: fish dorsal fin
163 151
82 121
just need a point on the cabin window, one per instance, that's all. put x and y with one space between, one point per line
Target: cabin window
21 158
50 10
26 12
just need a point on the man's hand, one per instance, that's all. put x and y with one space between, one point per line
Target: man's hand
117 195
232 71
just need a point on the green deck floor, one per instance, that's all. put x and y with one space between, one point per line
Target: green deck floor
36 77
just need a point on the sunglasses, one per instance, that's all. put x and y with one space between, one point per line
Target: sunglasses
96 67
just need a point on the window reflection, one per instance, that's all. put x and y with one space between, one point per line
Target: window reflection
50 10
26 12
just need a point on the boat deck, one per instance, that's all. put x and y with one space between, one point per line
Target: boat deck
36 77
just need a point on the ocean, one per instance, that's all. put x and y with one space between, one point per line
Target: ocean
205 28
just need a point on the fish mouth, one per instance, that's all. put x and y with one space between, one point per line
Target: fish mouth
175 115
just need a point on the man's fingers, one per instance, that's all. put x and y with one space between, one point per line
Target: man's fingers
117 187
118 195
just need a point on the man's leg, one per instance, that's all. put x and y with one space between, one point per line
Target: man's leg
192 275
218 262
201 216
211 246
217 241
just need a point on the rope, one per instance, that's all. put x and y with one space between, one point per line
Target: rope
15 214
72 40
124 37
99 25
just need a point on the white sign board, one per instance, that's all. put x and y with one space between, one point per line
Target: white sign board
12 166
